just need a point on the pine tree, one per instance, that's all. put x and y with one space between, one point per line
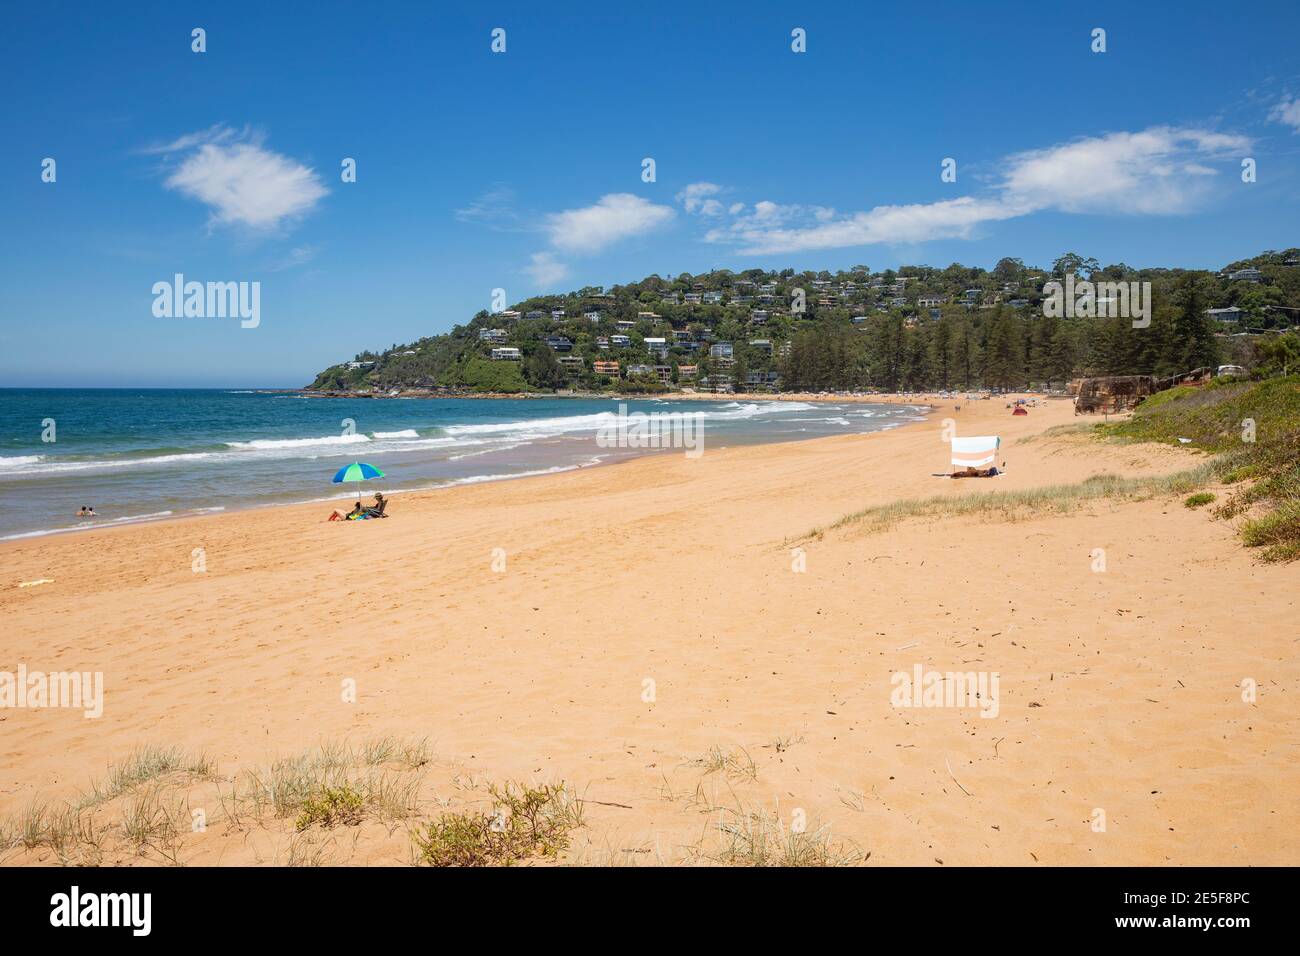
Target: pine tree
1193 343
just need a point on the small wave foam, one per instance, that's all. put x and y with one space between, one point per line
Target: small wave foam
269 444
404 433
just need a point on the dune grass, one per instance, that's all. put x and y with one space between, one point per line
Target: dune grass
142 805
143 765
382 775
1027 503
752 836
732 763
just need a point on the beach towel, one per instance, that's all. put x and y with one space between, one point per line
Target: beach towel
977 452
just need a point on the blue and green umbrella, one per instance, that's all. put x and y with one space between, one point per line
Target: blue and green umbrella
357 471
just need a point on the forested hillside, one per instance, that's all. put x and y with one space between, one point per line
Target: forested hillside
913 328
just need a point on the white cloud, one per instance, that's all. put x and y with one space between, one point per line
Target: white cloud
546 270
1158 171
614 217
693 197
950 219
1288 112
241 181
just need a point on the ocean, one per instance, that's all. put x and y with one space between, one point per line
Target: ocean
146 454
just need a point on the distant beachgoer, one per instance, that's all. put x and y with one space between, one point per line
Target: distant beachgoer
87 511
377 510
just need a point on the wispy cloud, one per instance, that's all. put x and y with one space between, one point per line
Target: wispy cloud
612 218
1287 111
1157 171
295 257
217 133
239 179
546 270
494 208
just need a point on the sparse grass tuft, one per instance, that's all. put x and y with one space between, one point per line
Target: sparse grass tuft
755 837
733 763
1199 500
144 765
525 823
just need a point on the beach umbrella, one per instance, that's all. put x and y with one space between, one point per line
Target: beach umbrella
357 471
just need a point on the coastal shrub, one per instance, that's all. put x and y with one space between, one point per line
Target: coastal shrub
332 806
1199 499
525 823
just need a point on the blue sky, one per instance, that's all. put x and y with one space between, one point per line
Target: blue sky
522 170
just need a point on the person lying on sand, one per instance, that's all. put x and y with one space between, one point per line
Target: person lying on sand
355 514
976 473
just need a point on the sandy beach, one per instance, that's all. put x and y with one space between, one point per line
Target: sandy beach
647 633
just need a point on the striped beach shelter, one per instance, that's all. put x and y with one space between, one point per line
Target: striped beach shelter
976 452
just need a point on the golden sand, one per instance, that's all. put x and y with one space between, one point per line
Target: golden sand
651 611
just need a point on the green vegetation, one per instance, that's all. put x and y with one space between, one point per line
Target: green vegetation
526 823
1199 500
1253 429
483 375
977 328
333 805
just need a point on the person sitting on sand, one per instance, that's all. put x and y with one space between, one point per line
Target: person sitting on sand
377 510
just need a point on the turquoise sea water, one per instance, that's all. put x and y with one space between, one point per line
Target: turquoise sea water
143 454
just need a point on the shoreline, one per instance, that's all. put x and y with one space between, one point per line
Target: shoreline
830 397
922 408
